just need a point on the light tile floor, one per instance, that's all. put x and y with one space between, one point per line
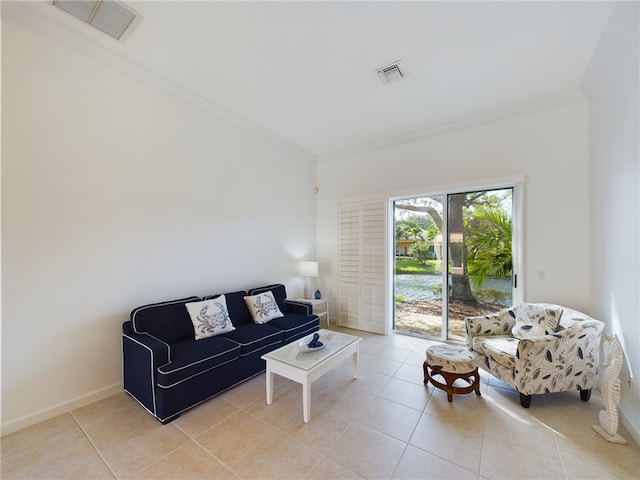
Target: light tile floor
386 424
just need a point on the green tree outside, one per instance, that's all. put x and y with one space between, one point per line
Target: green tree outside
421 251
489 245
486 228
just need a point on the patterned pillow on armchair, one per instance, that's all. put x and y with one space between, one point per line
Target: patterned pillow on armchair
535 320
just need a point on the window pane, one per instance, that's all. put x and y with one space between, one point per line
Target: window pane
480 255
418 266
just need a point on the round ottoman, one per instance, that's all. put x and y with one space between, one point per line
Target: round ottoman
452 363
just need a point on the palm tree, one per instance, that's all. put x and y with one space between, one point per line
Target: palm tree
489 245
416 232
402 231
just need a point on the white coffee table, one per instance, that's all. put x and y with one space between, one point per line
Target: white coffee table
306 367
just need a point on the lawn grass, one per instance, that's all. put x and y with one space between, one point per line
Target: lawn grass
408 265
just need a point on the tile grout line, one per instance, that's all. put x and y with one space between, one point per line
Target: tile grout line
254 449
555 441
408 442
193 441
354 420
424 412
482 442
136 431
228 467
75 419
211 454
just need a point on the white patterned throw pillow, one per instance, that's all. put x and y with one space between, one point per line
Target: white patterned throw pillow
263 307
535 320
210 317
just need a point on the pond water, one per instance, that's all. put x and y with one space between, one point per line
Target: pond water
417 287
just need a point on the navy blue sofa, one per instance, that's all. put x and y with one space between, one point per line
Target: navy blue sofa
168 371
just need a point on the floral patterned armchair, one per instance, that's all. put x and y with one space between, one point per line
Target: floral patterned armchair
538 348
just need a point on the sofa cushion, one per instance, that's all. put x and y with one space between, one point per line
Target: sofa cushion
192 357
535 320
499 348
296 325
210 317
167 321
279 293
254 337
236 306
263 307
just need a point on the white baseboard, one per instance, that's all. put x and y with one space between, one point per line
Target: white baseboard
55 410
631 427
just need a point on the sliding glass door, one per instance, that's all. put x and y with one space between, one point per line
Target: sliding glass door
454 257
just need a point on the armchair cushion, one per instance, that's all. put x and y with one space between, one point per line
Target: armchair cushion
534 320
500 349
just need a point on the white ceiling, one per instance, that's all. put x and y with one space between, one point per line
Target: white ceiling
306 71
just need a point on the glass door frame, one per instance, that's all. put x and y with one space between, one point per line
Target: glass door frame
517 284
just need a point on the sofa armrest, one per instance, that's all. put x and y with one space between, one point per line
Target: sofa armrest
291 306
142 354
499 323
561 361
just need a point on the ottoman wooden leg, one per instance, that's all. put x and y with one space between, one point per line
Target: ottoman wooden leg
476 382
472 378
449 378
425 367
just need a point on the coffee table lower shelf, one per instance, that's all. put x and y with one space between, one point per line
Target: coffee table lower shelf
311 365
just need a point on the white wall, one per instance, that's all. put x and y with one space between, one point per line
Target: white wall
114 195
549 148
613 86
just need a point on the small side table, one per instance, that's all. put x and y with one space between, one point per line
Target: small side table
317 307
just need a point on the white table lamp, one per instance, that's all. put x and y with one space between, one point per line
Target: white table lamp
308 269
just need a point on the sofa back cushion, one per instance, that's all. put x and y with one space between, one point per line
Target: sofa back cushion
167 321
279 293
236 306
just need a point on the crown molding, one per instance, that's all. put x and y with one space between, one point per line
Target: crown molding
574 96
62 29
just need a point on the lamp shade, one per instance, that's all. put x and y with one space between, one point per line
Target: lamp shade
308 269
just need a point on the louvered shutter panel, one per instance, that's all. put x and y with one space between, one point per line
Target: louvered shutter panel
373 262
362 265
349 269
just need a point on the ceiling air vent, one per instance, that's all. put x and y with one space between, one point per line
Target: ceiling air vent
393 71
108 16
